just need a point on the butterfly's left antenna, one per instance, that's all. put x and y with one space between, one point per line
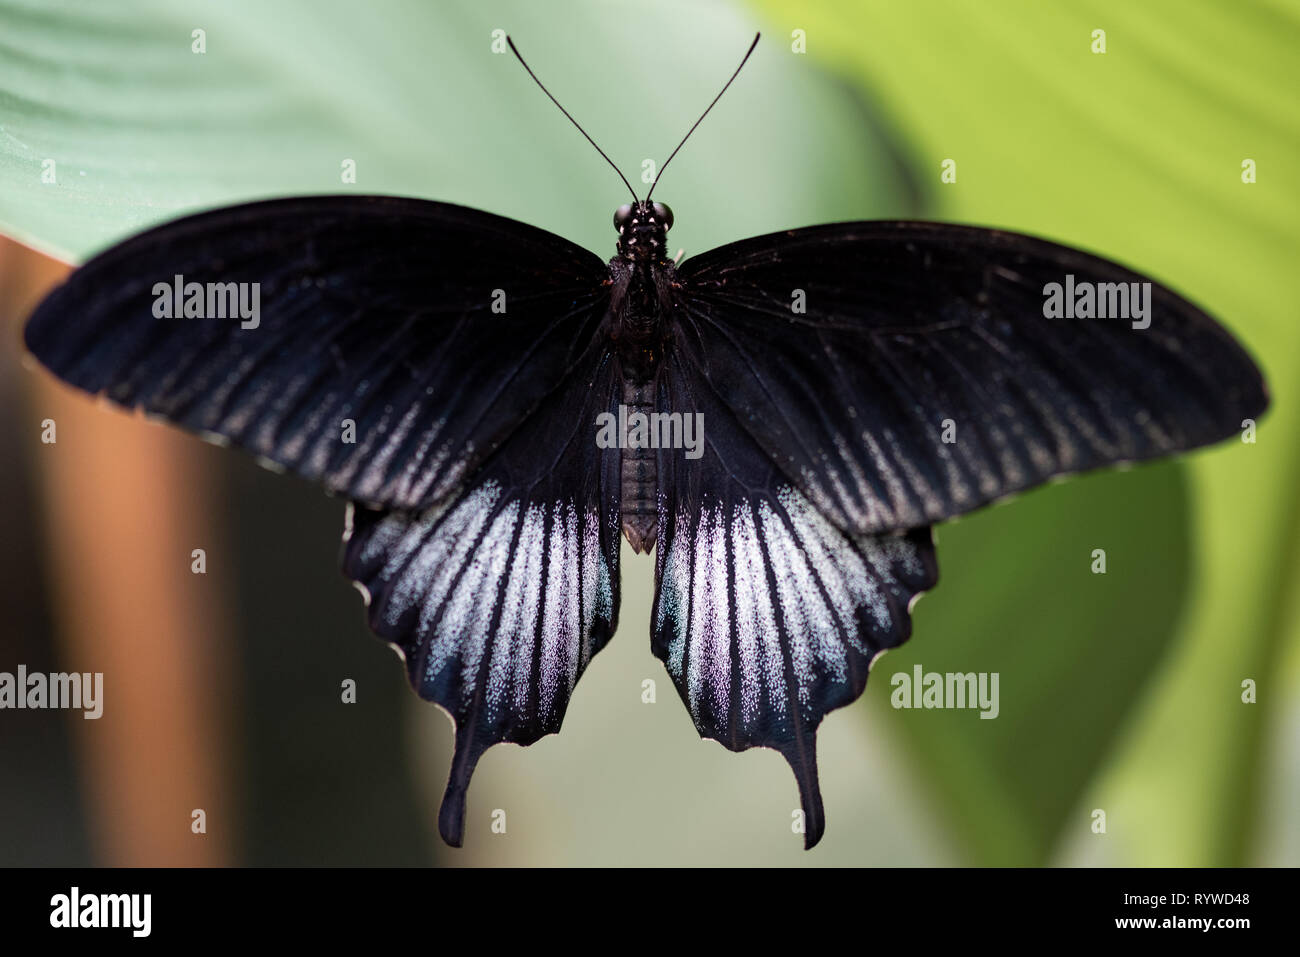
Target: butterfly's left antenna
743 61
515 51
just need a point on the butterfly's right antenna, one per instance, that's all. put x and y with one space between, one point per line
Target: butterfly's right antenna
743 61
515 51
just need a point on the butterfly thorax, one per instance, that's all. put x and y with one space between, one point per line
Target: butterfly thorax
639 306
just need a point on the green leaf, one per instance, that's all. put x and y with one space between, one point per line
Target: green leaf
1022 596
140 127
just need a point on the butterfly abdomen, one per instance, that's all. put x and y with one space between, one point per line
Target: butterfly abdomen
639 471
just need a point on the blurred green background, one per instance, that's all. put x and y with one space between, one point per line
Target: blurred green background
1119 692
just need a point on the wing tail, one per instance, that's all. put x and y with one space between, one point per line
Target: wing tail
800 752
451 816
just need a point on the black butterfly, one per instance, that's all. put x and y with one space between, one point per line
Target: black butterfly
477 359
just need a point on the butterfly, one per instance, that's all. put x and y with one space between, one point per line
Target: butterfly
781 420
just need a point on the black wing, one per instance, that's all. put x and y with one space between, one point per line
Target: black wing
499 598
491 555
766 615
909 325
373 309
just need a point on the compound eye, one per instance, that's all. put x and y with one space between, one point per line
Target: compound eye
622 216
663 214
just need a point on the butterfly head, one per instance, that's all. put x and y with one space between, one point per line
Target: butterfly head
643 230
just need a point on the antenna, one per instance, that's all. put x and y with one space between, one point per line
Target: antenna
515 51
743 61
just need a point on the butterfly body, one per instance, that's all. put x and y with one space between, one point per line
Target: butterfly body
640 327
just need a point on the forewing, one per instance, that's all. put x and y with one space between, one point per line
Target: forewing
397 342
767 615
499 597
921 378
